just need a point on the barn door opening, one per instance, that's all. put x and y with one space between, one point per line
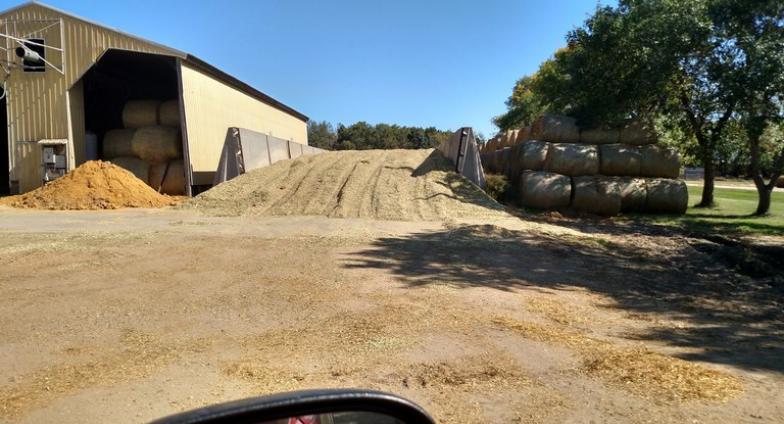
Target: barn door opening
5 164
132 118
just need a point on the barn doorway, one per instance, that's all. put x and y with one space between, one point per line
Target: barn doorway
122 78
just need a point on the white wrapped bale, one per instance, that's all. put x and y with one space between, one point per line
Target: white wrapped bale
638 133
619 160
574 160
157 144
555 129
169 113
666 196
596 195
140 113
634 194
600 136
534 155
545 190
136 166
659 162
168 177
117 143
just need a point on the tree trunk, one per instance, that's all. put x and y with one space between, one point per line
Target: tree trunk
708 180
764 191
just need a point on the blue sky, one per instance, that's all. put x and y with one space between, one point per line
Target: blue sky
441 63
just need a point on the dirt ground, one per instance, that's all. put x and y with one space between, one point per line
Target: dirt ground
129 315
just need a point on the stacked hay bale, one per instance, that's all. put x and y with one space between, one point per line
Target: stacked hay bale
506 139
149 145
603 171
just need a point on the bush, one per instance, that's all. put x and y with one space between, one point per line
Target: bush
497 186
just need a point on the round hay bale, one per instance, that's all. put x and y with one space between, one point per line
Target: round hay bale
168 177
573 160
523 135
516 161
510 137
484 158
638 133
545 190
619 160
491 144
489 162
534 155
136 166
780 182
506 161
600 136
596 195
555 129
169 113
666 196
157 144
634 194
140 113
498 161
659 162
117 143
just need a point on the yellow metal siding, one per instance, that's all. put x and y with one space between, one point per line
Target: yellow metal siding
37 102
212 107
76 118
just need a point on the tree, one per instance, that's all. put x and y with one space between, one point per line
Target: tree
544 91
321 134
362 135
753 39
651 57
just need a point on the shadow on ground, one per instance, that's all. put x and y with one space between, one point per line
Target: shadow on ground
734 319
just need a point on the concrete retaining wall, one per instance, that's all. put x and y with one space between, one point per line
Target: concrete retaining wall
245 150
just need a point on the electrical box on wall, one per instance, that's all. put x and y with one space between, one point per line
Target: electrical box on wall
54 155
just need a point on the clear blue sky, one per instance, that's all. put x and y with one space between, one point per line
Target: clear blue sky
444 63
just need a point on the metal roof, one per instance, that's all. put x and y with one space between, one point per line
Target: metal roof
186 57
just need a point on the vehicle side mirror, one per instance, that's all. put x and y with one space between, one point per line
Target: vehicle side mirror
309 407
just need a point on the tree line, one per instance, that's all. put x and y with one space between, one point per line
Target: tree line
708 73
363 136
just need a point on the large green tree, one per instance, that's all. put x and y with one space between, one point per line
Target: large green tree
657 57
545 91
752 35
651 59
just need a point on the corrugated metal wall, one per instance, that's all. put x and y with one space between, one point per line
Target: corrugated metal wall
37 105
211 107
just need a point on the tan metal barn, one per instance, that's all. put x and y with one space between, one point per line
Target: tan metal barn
91 71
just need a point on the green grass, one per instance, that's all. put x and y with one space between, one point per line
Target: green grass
731 215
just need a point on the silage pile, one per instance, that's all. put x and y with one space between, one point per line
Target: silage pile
93 185
404 185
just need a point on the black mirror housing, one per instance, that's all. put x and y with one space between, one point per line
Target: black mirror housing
303 403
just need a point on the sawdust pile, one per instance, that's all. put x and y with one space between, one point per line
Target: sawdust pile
93 185
405 185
